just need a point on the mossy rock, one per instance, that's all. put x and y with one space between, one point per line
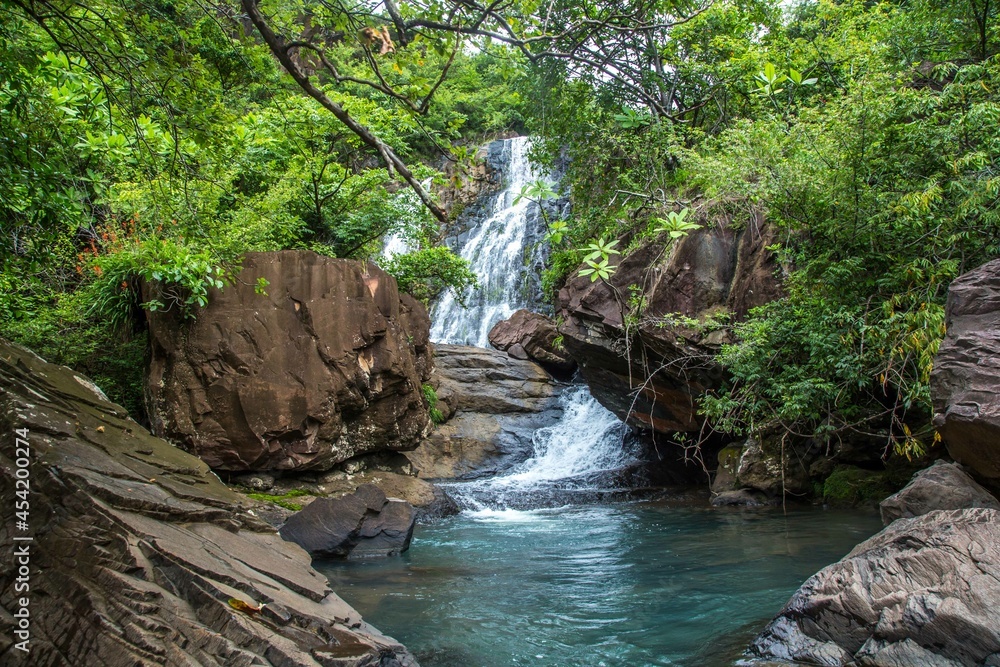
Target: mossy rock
848 486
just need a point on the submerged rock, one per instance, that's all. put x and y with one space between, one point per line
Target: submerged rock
965 383
924 591
140 555
943 486
492 405
528 335
327 365
358 525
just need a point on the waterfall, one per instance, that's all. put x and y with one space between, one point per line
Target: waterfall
496 248
575 457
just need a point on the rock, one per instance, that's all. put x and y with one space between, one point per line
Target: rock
324 367
652 376
531 335
256 482
740 498
965 383
725 473
850 486
359 525
764 467
943 486
494 405
924 591
138 548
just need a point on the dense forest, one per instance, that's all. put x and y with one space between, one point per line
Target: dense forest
146 144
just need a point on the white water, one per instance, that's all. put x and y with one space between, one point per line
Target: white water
569 456
496 250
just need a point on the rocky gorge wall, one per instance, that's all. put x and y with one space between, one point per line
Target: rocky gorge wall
638 361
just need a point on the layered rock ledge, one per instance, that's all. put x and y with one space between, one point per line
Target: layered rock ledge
324 365
141 556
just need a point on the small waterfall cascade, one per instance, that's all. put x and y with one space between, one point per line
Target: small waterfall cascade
572 457
497 248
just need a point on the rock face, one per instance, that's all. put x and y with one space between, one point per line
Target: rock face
528 335
943 486
924 591
492 405
138 549
326 366
358 525
652 375
965 384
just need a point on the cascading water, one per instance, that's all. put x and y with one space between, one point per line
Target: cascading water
496 248
571 455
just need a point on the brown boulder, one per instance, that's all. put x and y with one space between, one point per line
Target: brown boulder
138 548
325 366
650 366
357 525
965 383
528 335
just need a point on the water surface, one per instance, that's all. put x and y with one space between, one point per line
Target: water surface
620 585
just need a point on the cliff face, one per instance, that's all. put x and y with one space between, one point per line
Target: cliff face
965 383
324 366
140 555
640 359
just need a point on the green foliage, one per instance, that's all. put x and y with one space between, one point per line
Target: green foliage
597 259
675 224
432 400
427 273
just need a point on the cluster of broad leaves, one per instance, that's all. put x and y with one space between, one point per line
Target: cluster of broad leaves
868 135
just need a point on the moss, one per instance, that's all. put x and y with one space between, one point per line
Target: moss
849 486
282 499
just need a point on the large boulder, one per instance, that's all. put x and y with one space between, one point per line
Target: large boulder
528 335
492 404
358 525
641 338
943 486
924 591
324 366
965 383
140 555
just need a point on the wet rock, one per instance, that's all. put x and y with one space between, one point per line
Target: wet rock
728 465
494 405
650 367
359 525
943 486
531 335
138 547
924 591
327 365
740 498
965 383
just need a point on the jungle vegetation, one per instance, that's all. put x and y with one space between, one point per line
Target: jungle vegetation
157 140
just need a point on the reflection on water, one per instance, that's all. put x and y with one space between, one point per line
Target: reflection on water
613 585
